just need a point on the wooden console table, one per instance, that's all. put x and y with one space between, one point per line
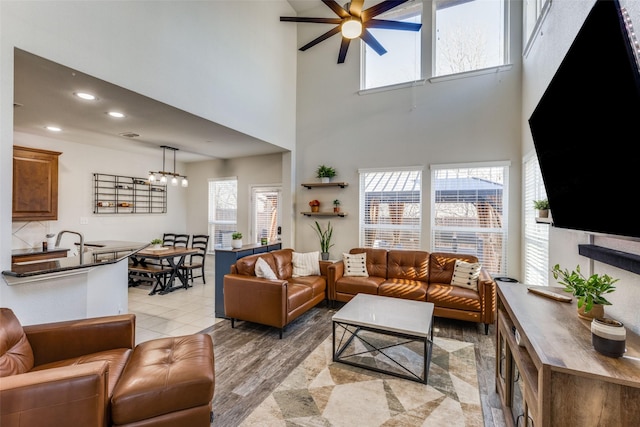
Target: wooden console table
225 258
554 377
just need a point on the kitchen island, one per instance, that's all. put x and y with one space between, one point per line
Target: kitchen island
92 283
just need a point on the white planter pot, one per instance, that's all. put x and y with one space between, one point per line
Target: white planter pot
325 180
236 243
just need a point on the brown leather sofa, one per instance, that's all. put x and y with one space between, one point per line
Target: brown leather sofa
88 372
271 302
420 276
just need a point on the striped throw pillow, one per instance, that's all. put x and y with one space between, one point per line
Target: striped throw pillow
355 265
465 274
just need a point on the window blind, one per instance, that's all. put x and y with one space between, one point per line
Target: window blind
223 211
391 208
536 236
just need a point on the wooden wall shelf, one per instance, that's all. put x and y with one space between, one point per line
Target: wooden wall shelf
341 214
324 184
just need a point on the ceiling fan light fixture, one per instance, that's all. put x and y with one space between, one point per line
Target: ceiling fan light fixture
351 28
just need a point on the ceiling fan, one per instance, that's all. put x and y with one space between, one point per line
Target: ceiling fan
354 22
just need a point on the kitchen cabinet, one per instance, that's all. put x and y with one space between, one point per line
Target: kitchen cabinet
35 184
27 255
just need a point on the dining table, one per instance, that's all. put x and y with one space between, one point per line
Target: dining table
174 258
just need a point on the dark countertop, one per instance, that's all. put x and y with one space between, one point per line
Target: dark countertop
96 253
36 251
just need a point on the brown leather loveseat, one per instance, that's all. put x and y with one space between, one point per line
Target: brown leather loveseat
274 302
420 276
88 372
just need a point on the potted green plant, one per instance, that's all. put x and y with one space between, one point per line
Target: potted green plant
542 206
325 173
236 240
588 290
336 205
325 239
157 243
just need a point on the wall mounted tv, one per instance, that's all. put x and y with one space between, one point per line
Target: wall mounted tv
586 129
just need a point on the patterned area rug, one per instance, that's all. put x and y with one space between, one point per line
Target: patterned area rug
320 392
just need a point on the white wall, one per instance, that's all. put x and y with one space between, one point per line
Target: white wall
558 31
190 55
474 119
76 166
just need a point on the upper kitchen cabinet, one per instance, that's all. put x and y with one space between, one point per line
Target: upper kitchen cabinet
35 184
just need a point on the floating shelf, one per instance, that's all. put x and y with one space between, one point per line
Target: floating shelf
544 220
341 214
325 184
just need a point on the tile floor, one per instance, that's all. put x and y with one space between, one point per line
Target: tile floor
181 312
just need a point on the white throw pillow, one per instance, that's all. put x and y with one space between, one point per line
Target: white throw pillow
465 275
263 270
355 265
306 264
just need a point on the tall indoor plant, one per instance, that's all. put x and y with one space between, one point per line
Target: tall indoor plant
325 238
588 290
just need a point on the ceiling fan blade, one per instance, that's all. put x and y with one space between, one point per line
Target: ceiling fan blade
372 42
355 8
344 46
323 37
392 25
379 8
334 21
337 9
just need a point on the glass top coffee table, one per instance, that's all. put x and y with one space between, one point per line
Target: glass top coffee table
385 334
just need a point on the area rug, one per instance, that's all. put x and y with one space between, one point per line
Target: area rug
320 392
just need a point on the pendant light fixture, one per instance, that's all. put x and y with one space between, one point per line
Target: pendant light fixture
162 176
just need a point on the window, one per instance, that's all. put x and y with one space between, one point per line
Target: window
534 13
265 208
468 215
469 35
536 236
223 211
402 62
391 208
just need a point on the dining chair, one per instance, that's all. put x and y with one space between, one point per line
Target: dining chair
181 241
196 261
168 239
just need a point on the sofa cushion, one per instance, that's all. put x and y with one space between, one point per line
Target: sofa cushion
376 260
263 270
442 264
403 288
16 355
355 265
454 297
465 274
408 264
306 264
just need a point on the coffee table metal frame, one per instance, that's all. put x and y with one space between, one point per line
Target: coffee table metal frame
407 319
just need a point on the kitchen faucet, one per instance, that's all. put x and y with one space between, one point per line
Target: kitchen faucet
81 250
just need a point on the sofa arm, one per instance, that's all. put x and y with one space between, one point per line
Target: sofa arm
255 299
334 272
72 338
488 298
69 395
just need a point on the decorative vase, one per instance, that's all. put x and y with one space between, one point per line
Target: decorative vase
315 208
236 243
324 255
336 209
596 312
543 213
608 336
157 246
325 180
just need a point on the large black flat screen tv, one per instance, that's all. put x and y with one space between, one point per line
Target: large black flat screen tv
586 130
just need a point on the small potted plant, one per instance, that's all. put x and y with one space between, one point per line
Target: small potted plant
236 240
315 205
542 206
325 173
588 290
157 243
336 205
325 239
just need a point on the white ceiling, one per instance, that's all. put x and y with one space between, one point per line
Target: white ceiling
43 95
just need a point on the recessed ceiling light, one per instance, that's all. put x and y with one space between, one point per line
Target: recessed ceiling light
85 95
115 114
54 128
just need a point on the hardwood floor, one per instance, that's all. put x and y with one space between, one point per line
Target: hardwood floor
251 360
